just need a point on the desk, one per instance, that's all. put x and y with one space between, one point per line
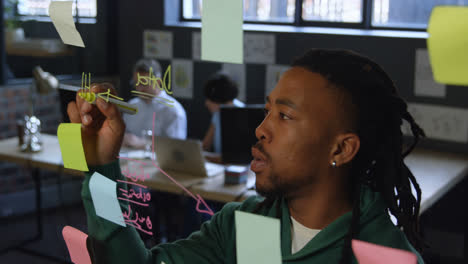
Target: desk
436 172
215 189
50 158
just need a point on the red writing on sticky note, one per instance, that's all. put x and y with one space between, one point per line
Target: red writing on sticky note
368 253
76 244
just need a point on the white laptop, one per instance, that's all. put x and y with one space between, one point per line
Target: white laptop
184 156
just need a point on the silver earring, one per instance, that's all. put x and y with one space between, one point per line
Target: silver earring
334 164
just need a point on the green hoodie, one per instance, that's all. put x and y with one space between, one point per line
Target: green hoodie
216 240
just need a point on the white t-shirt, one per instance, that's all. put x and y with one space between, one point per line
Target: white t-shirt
169 122
300 235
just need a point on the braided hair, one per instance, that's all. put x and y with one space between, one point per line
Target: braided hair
375 112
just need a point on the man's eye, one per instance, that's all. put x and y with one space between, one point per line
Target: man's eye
265 111
285 117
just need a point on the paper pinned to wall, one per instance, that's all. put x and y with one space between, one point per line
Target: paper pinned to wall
222 38
182 78
237 73
60 13
424 84
257 239
196 45
368 253
104 195
447 44
259 48
76 244
273 74
157 44
439 122
71 146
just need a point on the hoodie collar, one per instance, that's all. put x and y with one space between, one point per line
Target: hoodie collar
372 205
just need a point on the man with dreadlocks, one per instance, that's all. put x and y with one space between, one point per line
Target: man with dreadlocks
329 165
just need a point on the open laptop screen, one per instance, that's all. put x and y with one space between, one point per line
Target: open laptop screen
238 126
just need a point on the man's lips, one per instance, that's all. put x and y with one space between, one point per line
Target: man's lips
259 161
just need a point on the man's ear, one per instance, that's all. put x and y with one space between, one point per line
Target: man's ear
345 148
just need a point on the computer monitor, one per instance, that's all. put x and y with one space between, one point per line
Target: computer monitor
238 126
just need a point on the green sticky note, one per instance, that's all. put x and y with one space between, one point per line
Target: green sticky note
69 136
104 195
222 38
257 239
448 44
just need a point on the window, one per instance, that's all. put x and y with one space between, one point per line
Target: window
254 10
269 10
332 10
86 8
398 14
407 14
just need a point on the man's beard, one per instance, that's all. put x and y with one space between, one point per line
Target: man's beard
275 188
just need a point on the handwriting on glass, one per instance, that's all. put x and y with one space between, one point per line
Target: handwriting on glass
86 82
90 96
152 80
162 84
140 197
141 177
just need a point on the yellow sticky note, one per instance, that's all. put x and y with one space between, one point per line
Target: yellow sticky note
222 35
448 44
69 136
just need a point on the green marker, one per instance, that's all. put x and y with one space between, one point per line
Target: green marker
91 97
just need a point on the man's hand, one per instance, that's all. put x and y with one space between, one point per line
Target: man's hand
102 126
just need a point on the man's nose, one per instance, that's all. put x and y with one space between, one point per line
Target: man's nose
262 132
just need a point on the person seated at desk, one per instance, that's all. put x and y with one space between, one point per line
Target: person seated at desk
220 89
171 121
328 163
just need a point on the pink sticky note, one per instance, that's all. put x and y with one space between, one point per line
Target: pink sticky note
368 253
76 243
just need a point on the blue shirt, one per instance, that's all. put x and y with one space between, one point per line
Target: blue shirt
216 121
